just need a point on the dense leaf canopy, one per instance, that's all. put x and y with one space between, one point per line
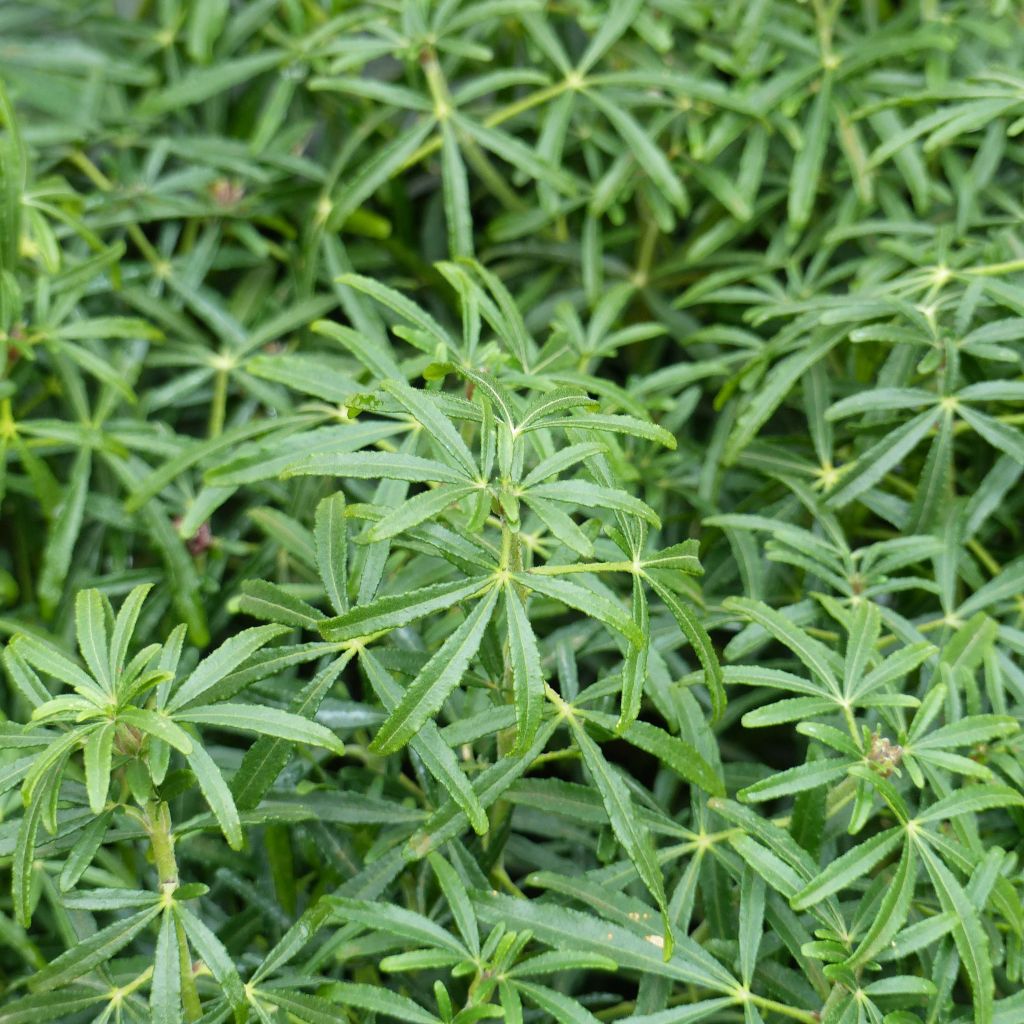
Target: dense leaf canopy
511 509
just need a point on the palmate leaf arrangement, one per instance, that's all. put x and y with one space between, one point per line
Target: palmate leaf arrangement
511 510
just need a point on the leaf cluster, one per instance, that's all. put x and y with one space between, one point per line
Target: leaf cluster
511 510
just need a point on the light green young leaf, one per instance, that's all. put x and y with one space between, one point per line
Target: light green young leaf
91 633
215 666
50 661
124 627
97 754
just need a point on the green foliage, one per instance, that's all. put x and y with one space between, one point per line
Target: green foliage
511 510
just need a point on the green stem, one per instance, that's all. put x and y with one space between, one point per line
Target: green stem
512 561
161 841
433 144
218 405
104 184
807 1016
559 570
851 724
994 269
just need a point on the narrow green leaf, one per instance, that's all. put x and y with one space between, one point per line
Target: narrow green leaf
159 726
265 721
393 920
395 610
64 533
165 988
426 505
765 399
386 162
331 535
752 901
50 661
880 458
399 304
860 644
91 633
809 160
448 440
212 952
217 795
124 627
272 603
893 911
796 780
848 868
811 652
430 746
972 800
968 934
634 837
97 754
203 83
647 152
376 999
265 759
673 752
573 595
634 667
458 900
439 677
376 466
457 206
699 641
527 675
91 952
215 666
570 930
582 492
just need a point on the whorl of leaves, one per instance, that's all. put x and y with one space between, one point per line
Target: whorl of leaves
511 509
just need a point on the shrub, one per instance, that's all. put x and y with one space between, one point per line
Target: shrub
511 510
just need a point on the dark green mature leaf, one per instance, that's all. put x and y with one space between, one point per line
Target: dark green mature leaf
215 666
437 679
92 951
635 839
527 674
